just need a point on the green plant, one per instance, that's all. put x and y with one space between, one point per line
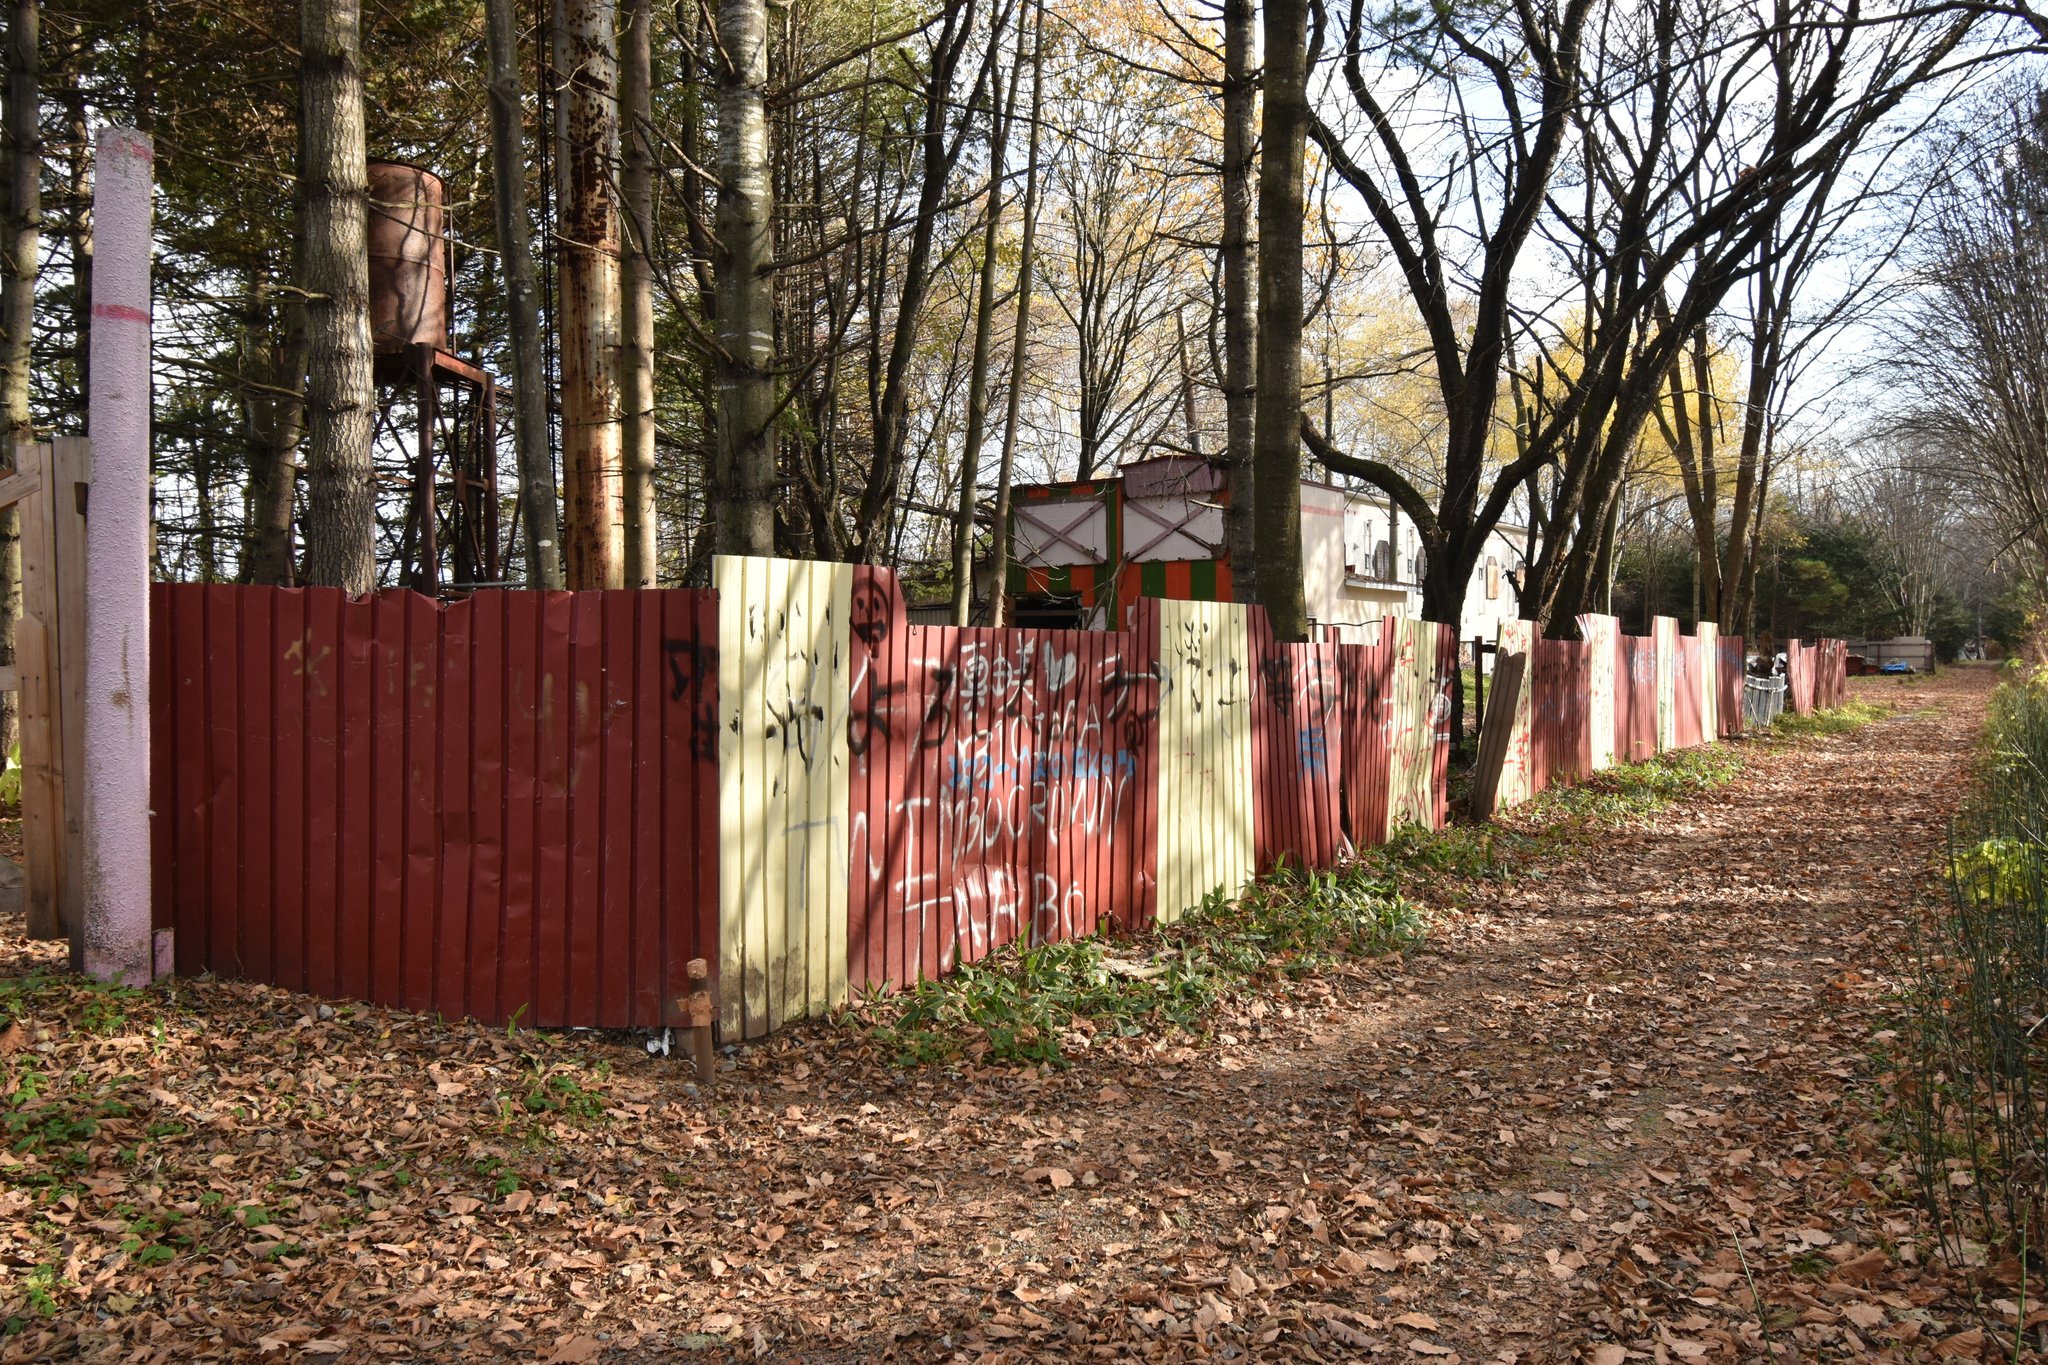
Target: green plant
555 1089
1971 1087
1840 720
10 779
1028 1003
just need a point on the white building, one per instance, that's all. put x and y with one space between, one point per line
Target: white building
1362 561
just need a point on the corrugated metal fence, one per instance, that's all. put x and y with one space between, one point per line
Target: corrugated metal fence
543 806
502 807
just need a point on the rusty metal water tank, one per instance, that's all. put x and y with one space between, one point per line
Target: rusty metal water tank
408 258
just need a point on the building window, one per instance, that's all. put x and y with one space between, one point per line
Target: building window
1383 561
1492 579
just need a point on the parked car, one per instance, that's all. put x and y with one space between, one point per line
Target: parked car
1855 665
1898 666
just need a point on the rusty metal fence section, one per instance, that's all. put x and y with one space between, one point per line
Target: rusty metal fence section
1000 785
1297 750
503 808
1560 700
544 806
1365 706
1623 698
1800 680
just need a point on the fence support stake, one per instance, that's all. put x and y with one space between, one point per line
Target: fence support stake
116 942
701 1015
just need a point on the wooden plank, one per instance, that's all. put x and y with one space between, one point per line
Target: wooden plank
829 843
42 792
1496 732
21 485
69 473
728 575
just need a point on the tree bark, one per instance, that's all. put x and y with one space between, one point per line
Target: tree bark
538 509
743 475
984 332
23 147
587 266
1277 440
1240 374
999 541
334 271
279 426
636 354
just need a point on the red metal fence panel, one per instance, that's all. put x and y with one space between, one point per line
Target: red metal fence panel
1560 740
500 807
1297 750
1686 664
1365 706
1635 699
1799 677
999 786
1730 667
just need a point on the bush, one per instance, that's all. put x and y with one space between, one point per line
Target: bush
1971 1096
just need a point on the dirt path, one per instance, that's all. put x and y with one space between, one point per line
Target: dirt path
1544 1140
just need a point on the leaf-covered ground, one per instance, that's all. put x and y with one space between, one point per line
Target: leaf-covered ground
1621 1107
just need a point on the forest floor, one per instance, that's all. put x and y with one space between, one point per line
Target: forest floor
1625 1105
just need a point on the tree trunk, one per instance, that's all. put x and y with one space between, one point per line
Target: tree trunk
537 505
23 147
1277 437
587 266
636 355
984 331
334 271
999 540
78 188
273 473
743 477
1240 375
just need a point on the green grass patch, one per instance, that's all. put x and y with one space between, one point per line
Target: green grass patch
1029 1004
1839 720
1032 1003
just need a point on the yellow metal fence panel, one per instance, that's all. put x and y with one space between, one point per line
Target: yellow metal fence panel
782 774
1205 753
1516 780
1411 798
1664 631
1709 679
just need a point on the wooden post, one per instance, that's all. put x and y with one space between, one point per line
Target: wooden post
1493 737
36 663
70 468
1478 682
701 1015
117 944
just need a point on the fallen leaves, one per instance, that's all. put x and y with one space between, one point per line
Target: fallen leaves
1618 1108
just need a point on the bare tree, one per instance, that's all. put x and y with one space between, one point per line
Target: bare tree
1972 350
1276 445
743 474
537 498
636 307
23 151
999 544
587 266
334 272
1000 116
1239 266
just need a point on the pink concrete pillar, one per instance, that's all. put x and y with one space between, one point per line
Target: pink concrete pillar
117 944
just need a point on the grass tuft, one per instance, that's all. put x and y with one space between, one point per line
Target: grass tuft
1839 720
1035 1004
